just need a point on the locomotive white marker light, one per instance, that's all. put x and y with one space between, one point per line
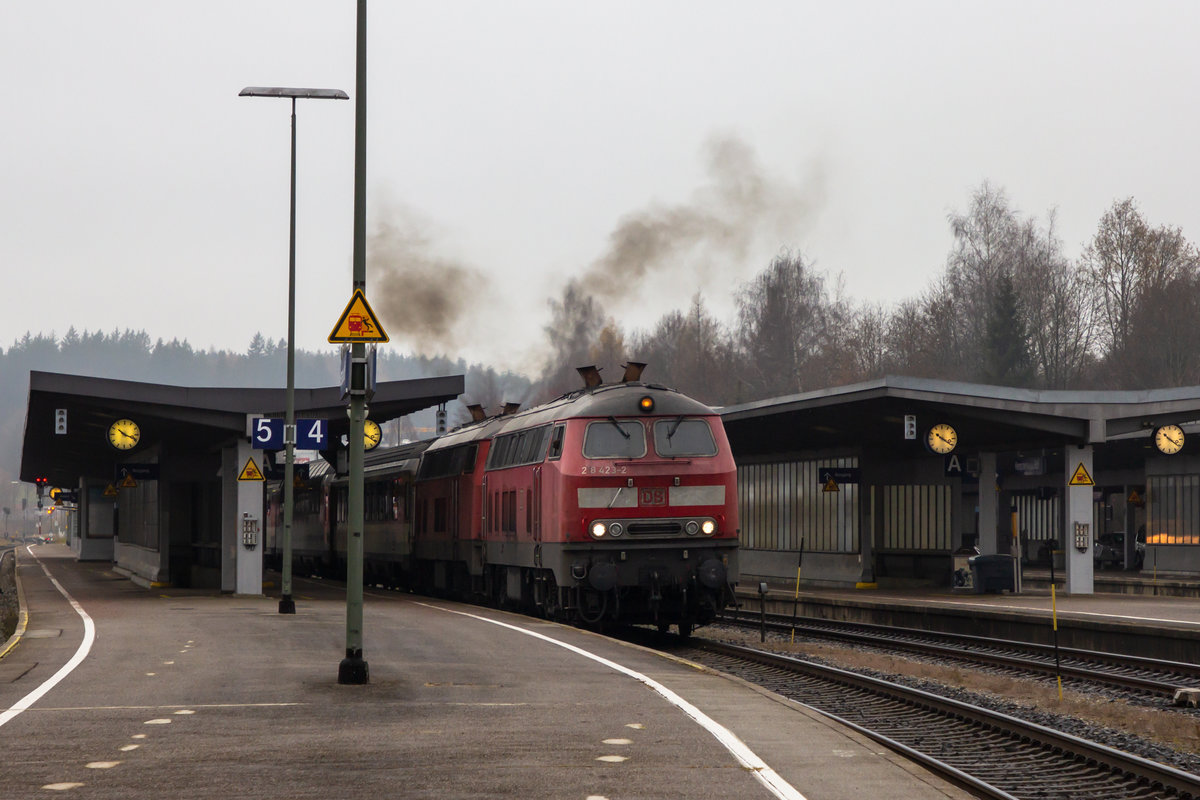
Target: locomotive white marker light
708 527
286 604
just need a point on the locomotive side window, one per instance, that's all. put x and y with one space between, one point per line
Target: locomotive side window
612 438
515 449
556 442
684 437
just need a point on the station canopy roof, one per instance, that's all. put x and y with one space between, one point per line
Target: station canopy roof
870 416
183 419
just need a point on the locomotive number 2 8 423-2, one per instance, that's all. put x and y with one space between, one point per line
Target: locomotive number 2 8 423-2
603 469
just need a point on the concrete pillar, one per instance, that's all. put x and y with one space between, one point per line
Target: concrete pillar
989 504
1079 524
242 523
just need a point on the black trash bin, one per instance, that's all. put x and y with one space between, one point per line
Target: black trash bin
992 573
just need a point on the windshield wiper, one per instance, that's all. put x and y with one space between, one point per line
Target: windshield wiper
674 427
617 425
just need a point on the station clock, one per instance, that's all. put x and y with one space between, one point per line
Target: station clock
124 434
942 438
1169 439
371 434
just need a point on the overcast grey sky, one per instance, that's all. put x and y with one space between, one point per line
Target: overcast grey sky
509 140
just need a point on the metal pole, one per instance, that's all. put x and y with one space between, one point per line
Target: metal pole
353 668
286 604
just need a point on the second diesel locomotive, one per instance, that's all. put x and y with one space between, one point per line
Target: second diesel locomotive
613 503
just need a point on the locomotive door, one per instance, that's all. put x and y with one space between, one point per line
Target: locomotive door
536 503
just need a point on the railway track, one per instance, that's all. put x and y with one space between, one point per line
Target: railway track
993 754
1147 677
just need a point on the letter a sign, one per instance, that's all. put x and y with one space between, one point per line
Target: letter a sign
358 323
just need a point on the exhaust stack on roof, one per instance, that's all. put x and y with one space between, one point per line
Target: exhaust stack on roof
633 371
510 408
591 376
477 412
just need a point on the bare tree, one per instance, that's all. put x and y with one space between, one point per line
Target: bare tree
787 323
1115 258
1060 303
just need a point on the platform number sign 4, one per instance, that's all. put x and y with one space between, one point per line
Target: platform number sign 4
269 433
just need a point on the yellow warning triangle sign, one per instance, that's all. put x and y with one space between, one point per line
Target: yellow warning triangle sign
1135 499
1081 477
251 472
128 482
110 491
357 323
831 486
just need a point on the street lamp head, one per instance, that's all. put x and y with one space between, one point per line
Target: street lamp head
281 91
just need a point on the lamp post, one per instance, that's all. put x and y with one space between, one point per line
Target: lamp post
286 604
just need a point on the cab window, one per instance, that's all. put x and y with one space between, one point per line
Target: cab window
614 438
678 437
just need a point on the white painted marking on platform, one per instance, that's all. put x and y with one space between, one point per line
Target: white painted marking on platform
184 711
168 663
85 647
164 708
157 722
596 797
770 779
61 787
129 748
139 736
618 741
1061 611
151 674
637 726
612 759
101 764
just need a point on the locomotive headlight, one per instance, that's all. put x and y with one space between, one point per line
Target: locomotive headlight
616 529
599 529
708 528
692 527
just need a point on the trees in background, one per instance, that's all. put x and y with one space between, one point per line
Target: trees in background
1009 307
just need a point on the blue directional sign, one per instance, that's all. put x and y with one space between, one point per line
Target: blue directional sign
268 433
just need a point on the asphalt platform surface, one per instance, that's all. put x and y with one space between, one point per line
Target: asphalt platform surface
124 692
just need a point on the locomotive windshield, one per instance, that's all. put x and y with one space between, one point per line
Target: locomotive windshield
684 437
613 438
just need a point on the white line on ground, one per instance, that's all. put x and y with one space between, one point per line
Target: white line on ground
89 636
775 784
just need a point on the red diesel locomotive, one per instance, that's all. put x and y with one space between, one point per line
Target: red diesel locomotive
614 503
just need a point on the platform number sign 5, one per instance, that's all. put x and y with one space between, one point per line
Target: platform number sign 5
269 433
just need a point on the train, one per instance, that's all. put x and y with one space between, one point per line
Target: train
612 504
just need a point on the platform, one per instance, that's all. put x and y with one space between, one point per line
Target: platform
197 694
1132 620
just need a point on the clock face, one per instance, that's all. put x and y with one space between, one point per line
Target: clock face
942 438
1169 439
124 434
371 434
